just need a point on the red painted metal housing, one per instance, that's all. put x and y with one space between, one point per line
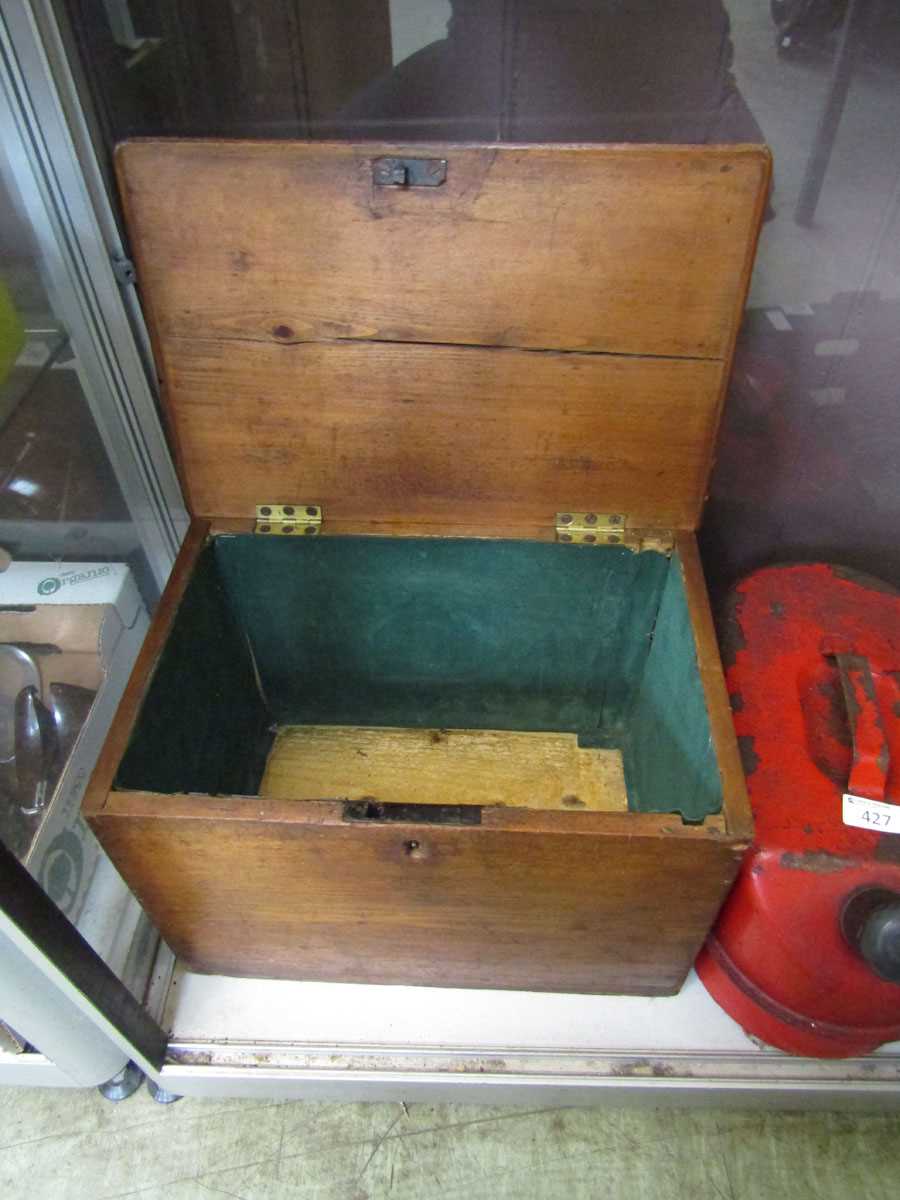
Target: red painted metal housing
813 669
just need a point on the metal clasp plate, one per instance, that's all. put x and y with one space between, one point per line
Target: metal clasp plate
409 172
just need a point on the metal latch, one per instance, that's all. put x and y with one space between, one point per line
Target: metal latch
288 519
591 528
419 814
409 172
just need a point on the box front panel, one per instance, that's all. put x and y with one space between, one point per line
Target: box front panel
425 904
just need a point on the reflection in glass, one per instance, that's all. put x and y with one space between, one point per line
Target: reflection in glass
59 498
812 424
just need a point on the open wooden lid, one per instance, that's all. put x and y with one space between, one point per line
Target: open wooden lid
549 328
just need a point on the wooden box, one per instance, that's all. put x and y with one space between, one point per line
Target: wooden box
454 713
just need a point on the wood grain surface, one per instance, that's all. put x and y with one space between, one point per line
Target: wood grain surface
551 329
622 249
128 712
549 900
557 906
391 432
385 350
735 801
444 766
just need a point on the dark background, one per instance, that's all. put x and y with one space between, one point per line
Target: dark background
807 465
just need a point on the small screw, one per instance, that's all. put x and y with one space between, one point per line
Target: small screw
590 518
265 511
265 528
615 519
287 529
289 510
310 529
311 511
565 518
565 537
590 537
614 539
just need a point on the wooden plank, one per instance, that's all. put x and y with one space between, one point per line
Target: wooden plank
382 432
249 251
620 249
650 538
543 908
736 803
119 735
190 806
444 766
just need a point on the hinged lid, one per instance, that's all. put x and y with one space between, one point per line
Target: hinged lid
530 327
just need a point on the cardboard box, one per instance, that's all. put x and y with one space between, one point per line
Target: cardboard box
83 624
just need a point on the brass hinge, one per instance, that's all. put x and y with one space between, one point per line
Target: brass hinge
591 528
611 529
283 520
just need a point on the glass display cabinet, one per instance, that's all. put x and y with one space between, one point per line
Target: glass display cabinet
91 513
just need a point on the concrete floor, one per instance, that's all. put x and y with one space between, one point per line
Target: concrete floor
67 1145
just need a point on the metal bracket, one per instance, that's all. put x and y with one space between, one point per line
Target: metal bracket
124 271
282 520
590 528
409 172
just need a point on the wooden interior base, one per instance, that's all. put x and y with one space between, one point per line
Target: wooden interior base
547 771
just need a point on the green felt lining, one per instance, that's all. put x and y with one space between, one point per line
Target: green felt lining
426 632
454 633
203 726
670 762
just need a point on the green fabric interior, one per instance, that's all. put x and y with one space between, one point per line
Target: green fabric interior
669 758
203 726
448 633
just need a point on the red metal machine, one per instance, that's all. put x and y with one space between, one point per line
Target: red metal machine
806 951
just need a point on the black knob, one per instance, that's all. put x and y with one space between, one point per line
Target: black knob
871 924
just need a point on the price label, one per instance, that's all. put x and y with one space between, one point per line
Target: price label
874 815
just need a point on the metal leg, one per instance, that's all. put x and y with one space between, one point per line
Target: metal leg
160 1095
820 155
122 1085
58 993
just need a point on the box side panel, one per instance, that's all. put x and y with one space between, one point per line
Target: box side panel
126 715
422 904
736 803
203 725
446 633
670 757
